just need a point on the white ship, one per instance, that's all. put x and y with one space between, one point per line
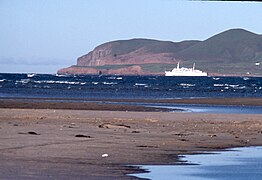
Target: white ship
185 71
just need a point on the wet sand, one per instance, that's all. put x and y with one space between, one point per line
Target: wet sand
83 104
68 143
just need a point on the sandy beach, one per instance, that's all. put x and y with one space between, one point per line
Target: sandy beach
48 140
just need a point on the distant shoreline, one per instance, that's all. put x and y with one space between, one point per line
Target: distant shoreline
149 74
162 74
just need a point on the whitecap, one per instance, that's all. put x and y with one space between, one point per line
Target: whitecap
215 78
56 82
245 78
219 85
60 75
119 78
95 83
23 81
140 84
2 80
68 82
241 87
187 85
109 83
30 75
111 77
233 85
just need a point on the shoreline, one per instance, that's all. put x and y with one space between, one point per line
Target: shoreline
104 104
69 143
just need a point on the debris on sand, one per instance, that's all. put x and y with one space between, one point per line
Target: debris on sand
105 155
114 126
83 136
30 132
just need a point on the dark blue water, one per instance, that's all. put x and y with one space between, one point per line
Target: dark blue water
131 87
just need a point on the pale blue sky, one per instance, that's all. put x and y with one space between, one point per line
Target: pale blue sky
44 35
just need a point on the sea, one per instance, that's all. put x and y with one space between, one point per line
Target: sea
80 87
244 163
126 87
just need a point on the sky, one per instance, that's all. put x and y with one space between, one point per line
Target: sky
42 36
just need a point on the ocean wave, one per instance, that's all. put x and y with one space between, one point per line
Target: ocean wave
30 75
47 85
219 85
140 84
56 82
114 77
109 83
233 85
187 85
23 81
236 86
240 87
227 86
61 75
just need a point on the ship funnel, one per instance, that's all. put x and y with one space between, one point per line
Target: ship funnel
194 66
177 65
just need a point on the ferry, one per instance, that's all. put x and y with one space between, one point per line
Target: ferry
185 71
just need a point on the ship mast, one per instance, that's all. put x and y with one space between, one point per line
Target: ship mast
177 65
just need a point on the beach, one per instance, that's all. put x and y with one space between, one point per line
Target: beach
66 140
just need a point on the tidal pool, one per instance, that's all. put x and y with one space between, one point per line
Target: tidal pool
236 163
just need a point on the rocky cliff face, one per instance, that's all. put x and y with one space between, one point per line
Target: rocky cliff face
78 70
131 70
98 56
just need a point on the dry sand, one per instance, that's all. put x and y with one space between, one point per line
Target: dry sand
69 144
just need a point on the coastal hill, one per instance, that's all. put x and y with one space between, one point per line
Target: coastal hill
232 52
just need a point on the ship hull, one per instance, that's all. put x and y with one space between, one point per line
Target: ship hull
184 74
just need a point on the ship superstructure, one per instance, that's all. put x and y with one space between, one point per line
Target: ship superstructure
185 71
